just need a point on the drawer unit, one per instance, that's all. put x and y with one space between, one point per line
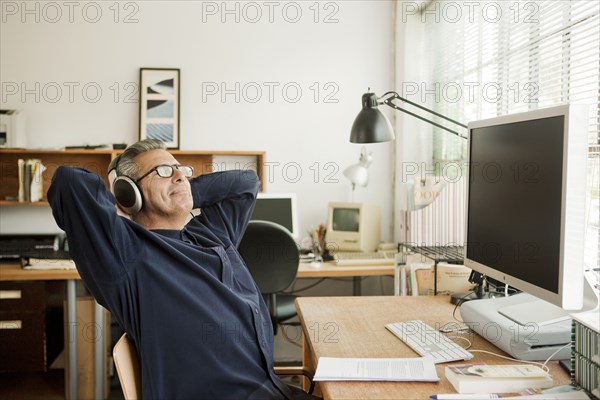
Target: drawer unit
22 341
27 311
28 296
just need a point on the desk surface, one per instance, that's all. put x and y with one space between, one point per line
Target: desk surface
355 327
14 272
330 269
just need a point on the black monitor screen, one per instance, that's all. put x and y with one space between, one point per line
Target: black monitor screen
514 200
278 210
345 219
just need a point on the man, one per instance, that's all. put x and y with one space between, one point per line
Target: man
180 291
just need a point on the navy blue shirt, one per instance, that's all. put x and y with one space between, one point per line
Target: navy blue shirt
185 298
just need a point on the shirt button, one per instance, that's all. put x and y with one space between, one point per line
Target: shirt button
256 310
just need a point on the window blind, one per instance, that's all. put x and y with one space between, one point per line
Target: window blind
503 57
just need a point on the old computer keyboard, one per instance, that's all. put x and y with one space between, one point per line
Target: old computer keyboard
426 341
365 258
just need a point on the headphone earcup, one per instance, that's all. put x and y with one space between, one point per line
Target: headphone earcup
128 194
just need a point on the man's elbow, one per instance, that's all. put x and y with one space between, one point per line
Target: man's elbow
252 180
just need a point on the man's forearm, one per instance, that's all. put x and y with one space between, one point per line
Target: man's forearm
216 187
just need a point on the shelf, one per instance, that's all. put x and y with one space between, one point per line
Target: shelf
22 203
97 161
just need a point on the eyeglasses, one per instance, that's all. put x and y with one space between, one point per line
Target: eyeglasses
167 171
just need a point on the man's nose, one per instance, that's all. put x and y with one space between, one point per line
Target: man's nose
178 174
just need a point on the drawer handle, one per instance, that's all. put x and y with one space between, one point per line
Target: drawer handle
16 324
10 294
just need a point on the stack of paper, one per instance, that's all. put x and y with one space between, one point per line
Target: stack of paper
46 264
376 369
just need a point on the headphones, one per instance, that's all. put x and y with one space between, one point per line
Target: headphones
126 191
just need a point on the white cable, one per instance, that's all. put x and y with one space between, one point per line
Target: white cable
463 338
457 329
553 354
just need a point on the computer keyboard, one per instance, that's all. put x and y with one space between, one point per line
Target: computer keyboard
365 258
426 341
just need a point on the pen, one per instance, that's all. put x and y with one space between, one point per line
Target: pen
458 396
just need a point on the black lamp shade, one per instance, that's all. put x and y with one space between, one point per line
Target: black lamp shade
371 125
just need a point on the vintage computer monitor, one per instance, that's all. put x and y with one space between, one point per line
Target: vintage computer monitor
353 227
524 224
279 208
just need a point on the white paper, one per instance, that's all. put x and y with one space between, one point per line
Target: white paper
48 264
376 369
574 395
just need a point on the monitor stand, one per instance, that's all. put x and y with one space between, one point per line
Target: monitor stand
527 341
536 336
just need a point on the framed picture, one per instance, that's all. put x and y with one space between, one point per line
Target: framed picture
159 105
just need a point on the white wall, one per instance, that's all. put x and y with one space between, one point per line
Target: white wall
50 45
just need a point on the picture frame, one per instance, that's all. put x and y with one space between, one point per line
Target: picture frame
159 105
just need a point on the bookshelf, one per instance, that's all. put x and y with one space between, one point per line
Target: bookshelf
98 160
585 353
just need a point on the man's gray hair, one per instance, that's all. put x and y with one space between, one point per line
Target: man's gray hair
127 166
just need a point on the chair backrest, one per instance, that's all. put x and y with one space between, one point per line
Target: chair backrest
128 367
271 254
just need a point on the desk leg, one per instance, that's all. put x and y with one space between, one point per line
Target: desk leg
99 351
72 335
356 285
308 364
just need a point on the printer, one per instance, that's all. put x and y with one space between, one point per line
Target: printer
14 247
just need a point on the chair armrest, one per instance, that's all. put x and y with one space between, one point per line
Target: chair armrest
290 371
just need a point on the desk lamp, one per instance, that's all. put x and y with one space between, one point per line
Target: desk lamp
372 126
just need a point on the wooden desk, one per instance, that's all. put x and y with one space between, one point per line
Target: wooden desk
355 327
331 270
14 272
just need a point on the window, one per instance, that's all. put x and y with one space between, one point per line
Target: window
494 58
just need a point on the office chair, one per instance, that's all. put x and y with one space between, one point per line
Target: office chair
127 362
272 257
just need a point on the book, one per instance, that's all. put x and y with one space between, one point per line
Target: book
483 378
408 281
411 274
36 189
452 278
425 281
30 180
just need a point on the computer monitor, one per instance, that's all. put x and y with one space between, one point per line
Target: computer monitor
353 227
525 208
279 208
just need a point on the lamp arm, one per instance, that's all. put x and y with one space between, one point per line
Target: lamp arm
388 101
